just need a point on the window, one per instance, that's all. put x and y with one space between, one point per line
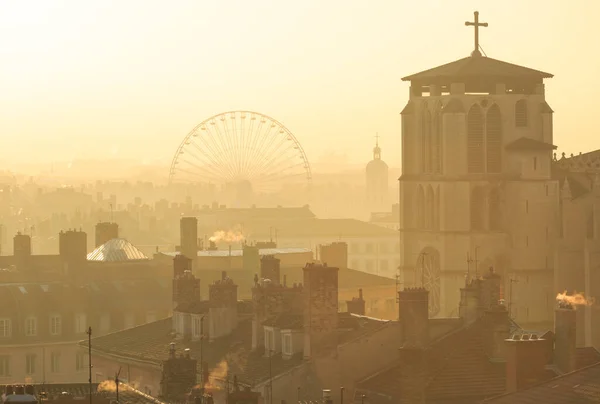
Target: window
79 362
535 163
287 344
383 265
4 365
197 326
269 341
521 114
55 362
369 248
493 139
5 327
30 326
369 266
383 248
354 248
80 324
55 324
30 363
475 157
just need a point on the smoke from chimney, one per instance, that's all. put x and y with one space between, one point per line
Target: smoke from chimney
572 301
229 236
218 373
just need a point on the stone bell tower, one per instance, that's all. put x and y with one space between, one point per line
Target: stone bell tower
476 189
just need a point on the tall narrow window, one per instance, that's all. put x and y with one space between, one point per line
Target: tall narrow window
420 205
5 327
426 139
475 157
436 209
30 326
30 363
55 324
437 140
493 140
494 210
535 163
429 208
4 365
55 362
477 209
521 114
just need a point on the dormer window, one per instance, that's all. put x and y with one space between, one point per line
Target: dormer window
291 342
269 340
521 114
287 344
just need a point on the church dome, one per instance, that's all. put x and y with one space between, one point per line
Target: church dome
116 250
376 165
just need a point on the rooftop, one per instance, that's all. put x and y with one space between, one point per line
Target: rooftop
239 253
116 250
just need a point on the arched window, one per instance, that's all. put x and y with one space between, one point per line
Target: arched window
436 209
475 157
494 210
521 114
437 140
429 208
493 140
477 209
426 139
420 207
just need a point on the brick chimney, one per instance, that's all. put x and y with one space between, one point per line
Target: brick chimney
496 332
250 258
178 375
106 231
413 316
270 300
526 359
223 315
356 305
22 251
188 238
469 302
320 307
335 254
565 338
72 246
270 268
186 288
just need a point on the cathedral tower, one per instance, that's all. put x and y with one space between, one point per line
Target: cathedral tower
476 189
377 182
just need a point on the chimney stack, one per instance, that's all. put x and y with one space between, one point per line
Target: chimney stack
178 376
270 268
22 251
186 287
565 338
223 314
526 360
497 331
413 315
72 246
188 238
106 231
335 254
356 305
320 307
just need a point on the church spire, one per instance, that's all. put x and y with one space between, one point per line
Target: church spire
377 149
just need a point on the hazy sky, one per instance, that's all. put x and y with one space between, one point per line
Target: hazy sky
131 78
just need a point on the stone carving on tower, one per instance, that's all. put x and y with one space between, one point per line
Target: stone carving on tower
476 189
377 182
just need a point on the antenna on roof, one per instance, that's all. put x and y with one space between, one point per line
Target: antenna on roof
117 382
111 213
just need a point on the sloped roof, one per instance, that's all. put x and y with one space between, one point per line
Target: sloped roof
527 143
581 386
478 67
127 394
116 250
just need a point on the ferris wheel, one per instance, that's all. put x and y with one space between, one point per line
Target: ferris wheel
429 263
241 147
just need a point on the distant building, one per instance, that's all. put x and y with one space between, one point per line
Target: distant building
377 182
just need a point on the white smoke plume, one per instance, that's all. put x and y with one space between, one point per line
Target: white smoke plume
576 299
218 373
107 386
229 236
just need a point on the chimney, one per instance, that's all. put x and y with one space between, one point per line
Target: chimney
22 251
72 246
335 254
186 288
188 238
223 315
565 337
497 331
320 307
413 367
413 316
250 258
490 290
356 305
178 376
469 302
526 359
106 231
270 268
327 397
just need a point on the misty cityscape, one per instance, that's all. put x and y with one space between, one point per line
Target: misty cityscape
328 206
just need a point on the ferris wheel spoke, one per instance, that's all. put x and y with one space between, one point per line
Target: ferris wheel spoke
214 159
226 147
195 174
260 163
230 141
205 169
211 163
223 154
258 146
254 134
277 175
205 137
274 165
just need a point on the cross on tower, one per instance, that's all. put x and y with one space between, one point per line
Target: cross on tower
476 24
